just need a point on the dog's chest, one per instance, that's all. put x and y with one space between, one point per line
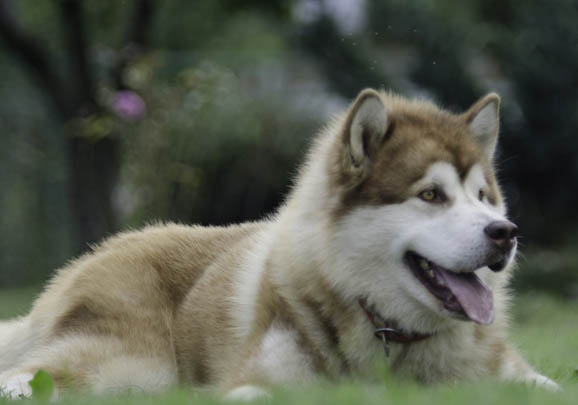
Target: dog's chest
440 359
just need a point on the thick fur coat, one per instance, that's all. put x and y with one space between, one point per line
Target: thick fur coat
390 185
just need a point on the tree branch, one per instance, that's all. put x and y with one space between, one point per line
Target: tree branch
33 55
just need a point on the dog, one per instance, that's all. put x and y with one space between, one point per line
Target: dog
392 247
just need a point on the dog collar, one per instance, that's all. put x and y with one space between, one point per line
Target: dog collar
385 331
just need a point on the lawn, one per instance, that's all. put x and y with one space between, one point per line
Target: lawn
545 329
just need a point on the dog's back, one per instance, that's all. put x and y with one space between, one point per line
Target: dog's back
117 303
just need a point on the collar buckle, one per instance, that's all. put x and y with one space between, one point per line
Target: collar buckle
382 334
386 333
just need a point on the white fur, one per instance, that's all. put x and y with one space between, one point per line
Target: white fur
111 369
16 338
280 347
485 127
510 372
248 283
542 381
464 245
126 374
373 241
246 393
362 255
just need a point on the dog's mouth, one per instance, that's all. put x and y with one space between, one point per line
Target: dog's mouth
462 294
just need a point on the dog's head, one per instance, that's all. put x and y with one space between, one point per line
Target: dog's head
419 222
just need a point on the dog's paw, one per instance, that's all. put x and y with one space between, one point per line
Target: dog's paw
544 382
246 393
16 386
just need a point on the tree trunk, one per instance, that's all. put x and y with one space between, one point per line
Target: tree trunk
93 176
93 163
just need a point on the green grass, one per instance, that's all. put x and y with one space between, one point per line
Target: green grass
545 329
16 302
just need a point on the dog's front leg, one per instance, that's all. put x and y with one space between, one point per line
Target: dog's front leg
246 393
513 367
279 358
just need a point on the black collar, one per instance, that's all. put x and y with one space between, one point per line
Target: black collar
386 332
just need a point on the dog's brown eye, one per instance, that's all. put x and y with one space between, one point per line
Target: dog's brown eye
481 195
428 195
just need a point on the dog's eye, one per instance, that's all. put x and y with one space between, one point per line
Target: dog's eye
481 195
428 195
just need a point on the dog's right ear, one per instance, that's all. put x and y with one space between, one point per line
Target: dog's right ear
364 130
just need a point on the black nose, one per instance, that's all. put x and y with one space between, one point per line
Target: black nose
502 234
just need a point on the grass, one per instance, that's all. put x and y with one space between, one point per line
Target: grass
16 302
545 329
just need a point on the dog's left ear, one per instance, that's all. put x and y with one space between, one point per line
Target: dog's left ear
363 132
483 119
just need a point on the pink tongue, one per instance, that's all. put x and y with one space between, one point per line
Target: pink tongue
475 298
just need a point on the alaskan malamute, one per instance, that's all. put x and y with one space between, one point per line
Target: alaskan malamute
392 246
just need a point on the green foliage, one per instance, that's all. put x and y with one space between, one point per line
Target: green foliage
551 271
16 302
235 90
439 44
218 147
537 50
346 60
34 233
42 386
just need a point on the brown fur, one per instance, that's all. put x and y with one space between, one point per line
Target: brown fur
166 305
418 135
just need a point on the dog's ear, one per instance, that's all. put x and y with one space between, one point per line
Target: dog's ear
363 132
483 119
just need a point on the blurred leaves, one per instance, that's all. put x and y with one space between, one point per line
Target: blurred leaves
213 152
548 270
93 127
42 386
232 93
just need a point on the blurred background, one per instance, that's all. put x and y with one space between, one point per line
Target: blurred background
117 113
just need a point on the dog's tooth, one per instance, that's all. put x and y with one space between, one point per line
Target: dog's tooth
423 263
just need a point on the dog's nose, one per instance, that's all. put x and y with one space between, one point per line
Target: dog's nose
502 234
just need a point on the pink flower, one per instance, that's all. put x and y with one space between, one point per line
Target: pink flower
128 105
